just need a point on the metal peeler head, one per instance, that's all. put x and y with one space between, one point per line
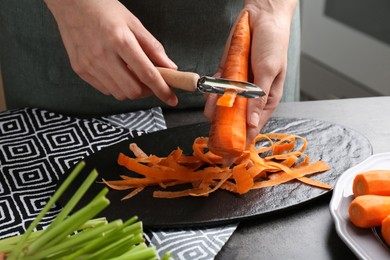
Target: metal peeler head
219 85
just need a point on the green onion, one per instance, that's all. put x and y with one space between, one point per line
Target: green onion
8 243
18 249
78 235
78 240
75 198
62 230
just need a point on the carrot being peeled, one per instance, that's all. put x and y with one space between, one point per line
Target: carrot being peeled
227 136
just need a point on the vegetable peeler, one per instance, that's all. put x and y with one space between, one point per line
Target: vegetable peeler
190 81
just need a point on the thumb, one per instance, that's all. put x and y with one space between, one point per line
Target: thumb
255 117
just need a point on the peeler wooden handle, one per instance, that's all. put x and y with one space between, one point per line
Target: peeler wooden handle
190 81
179 79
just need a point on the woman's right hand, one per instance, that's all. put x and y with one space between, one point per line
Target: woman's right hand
109 48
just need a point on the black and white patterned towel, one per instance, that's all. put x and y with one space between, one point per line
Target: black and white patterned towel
38 146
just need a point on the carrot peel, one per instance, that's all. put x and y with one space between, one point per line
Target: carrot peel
251 171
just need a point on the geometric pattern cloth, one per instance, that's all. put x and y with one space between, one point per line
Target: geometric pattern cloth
195 243
38 146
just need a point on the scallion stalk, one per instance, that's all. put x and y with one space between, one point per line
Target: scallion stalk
78 240
75 198
69 225
18 248
77 235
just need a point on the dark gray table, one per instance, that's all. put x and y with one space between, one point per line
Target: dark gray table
308 231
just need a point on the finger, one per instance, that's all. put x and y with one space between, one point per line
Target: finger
110 84
218 74
226 162
272 102
153 48
257 105
256 118
114 75
143 91
79 64
125 79
266 76
209 109
146 72
260 110
253 130
95 83
99 78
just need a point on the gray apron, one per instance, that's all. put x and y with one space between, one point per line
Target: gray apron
37 73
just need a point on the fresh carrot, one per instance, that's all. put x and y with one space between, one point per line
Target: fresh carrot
385 229
227 137
369 210
374 182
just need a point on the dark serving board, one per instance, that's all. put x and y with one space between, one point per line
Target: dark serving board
340 147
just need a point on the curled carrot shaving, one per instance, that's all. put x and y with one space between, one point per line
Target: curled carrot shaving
133 193
271 159
227 99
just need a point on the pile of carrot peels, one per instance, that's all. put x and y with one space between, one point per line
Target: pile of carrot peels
271 159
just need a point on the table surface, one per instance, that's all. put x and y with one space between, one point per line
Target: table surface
306 232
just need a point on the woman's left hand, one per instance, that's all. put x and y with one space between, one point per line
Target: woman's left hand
270 23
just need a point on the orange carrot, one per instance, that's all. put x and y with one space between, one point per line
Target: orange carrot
203 173
385 229
289 175
374 182
243 179
199 146
369 210
227 136
228 98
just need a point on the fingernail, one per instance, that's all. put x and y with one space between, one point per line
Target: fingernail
172 101
173 65
254 119
217 75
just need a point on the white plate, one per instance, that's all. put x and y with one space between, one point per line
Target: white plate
361 241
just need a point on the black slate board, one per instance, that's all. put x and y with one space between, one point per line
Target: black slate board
340 147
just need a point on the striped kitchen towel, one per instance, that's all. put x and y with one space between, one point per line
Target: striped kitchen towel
38 146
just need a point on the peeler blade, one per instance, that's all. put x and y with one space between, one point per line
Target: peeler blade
208 84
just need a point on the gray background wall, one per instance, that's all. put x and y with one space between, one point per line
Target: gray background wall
345 51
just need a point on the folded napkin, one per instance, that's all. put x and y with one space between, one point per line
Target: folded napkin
38 146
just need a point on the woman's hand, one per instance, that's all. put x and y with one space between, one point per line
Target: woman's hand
110 49
270 23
